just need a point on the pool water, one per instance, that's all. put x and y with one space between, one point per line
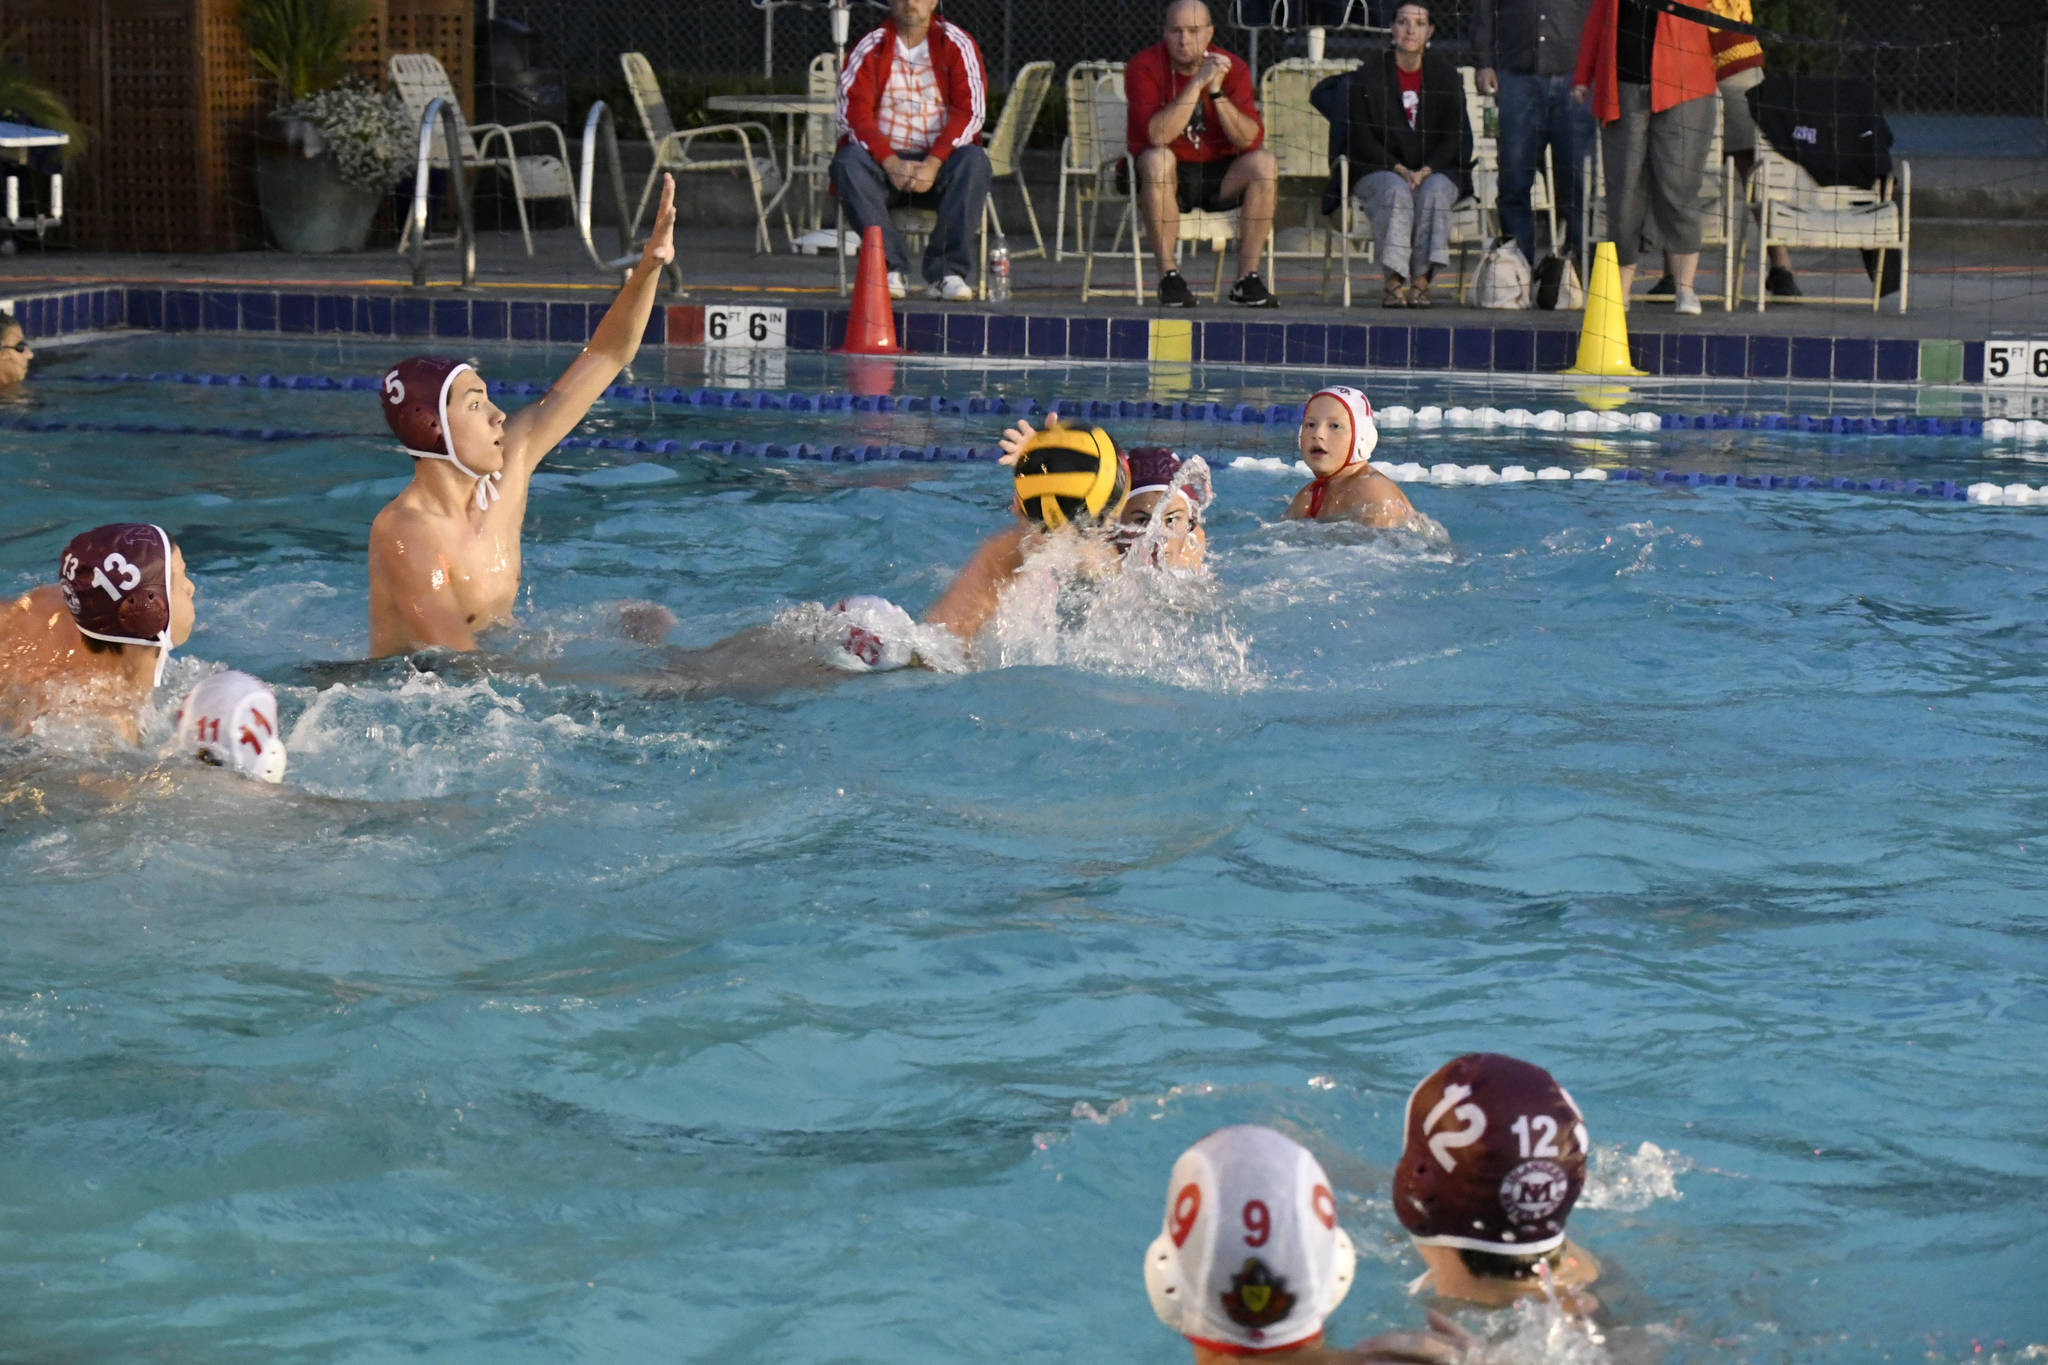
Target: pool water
544 1016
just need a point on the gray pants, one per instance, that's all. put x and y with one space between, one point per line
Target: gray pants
1653 172
1411 226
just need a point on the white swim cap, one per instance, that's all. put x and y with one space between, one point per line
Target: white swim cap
1365 433
230 721
869 634
1251 1259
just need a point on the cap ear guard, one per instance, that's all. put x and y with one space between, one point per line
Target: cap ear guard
1168 1288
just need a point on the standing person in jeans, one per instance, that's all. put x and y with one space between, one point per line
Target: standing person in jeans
1197 140
1650 79
1409 142
1526 50
911 103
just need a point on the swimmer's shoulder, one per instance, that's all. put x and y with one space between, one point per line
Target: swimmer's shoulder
1371 497
1297 506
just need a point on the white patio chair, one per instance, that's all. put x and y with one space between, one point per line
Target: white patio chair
1006 144
673 146
1795 210
820 139
1085 148
1299 139
420 80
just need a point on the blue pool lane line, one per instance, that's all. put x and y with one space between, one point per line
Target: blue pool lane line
1948 490
1102 409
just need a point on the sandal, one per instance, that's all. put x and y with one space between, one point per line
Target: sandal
1418 293
1395 295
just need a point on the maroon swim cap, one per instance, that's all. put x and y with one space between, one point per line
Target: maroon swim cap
117 582
1493 1157
1151 466
415 396
416 403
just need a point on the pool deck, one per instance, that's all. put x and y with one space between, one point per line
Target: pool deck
1965 287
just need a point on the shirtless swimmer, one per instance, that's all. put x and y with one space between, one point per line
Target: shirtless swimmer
444 554
1337 438
93 645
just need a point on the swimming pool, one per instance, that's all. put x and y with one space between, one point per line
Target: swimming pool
539 1018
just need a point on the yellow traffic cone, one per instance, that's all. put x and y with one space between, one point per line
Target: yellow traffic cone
1603 336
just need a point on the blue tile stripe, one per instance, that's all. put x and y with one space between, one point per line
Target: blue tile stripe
1508 349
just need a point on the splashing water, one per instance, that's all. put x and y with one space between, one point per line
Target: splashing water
1627 1182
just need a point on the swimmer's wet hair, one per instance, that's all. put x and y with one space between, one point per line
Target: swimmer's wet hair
7 320
1492 1265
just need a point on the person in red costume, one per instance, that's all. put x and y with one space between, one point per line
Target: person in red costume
1198 143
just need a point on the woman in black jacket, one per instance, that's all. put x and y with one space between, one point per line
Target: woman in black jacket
1410 147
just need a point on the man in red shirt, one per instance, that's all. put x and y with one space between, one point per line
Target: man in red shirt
1196 137
911 103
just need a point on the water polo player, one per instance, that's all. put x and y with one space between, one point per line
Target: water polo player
15 352
1493 1157
1161 524
93 645
1250 1261
1337 439
1066 481
445 553
230 721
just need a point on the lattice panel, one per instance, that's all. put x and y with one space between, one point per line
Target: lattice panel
367 52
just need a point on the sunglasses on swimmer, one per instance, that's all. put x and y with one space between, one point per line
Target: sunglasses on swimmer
15 346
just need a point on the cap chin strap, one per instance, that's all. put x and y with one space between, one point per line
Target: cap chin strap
486 484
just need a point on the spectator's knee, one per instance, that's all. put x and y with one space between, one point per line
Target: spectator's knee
970 162
1156 165
1262 166
853 159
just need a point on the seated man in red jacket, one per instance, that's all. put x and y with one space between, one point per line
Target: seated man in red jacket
1196 136
911 103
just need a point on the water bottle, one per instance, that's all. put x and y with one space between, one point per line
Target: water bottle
998 270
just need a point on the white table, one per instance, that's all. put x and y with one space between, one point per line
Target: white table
16 141
792 109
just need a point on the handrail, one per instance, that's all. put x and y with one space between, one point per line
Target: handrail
599 134
458 189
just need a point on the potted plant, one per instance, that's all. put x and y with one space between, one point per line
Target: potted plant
334 147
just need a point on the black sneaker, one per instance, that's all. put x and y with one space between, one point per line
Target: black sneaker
1664 288
1779 283
1251 292
1174 291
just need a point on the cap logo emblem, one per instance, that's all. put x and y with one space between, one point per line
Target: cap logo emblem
1534 1190
1257 1297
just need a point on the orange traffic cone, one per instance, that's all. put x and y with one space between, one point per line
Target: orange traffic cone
871 326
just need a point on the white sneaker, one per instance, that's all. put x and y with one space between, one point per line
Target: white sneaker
953 289
897 288
1686 302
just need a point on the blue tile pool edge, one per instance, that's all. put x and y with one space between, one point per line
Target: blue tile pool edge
1518 347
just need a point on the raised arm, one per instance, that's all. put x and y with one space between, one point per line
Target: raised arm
537 428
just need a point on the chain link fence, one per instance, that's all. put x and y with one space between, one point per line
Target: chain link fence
1924 56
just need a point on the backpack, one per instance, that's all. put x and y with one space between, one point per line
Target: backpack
1503 278
1557 284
